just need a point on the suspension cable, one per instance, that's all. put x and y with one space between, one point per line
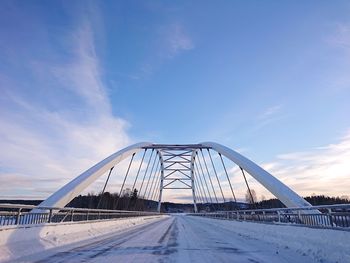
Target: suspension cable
126 175
200 193
246 182
150 174
152 183
195 188
216 174
205 181
104 187
149 160
157 193
143 179
202 186
200 182
137 175
206 167
153 196
223 164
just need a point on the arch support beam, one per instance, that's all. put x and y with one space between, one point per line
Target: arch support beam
64 195
286 195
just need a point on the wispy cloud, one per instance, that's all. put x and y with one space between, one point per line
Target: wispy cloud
268 116
339 40
171 41
269 112
324 170
45 144
341 36
177 40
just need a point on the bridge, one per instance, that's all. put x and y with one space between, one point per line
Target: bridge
218 229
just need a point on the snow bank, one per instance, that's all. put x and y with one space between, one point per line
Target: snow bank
19 241
324 245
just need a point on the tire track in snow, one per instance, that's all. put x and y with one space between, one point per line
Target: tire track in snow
97 248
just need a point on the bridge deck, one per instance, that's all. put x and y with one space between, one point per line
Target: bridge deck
192 239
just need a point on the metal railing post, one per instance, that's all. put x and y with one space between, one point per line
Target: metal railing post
18 216
50 216
330 216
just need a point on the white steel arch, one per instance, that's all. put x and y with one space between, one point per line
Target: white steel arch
65 194
286 195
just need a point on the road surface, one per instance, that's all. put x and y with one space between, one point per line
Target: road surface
176 239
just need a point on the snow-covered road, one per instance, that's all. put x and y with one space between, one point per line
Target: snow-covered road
190 239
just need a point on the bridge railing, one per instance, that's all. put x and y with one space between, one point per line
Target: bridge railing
329 216
13 214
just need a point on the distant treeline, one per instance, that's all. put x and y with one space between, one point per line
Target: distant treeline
133 202
314 200
113 202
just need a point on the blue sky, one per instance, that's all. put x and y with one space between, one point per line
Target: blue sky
81 79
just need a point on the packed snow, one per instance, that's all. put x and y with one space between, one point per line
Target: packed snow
196 239
19 242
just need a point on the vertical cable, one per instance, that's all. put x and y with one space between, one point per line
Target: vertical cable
137 175
104 187
200 193
150 158
150 174
126 175
157 192
205 181
246 182
199 182
206 167
216 174
223 164
157 184
152 183
144 176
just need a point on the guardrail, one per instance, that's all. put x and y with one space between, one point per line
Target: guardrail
329 216
13 214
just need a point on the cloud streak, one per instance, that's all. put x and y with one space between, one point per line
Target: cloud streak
341 37
324 170
177 40
171 41
44 146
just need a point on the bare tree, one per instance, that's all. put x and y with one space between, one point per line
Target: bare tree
345 197
250 196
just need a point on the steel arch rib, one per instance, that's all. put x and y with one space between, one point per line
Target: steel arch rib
64 195
286 195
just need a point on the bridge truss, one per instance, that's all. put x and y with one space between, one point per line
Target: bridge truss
162 167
